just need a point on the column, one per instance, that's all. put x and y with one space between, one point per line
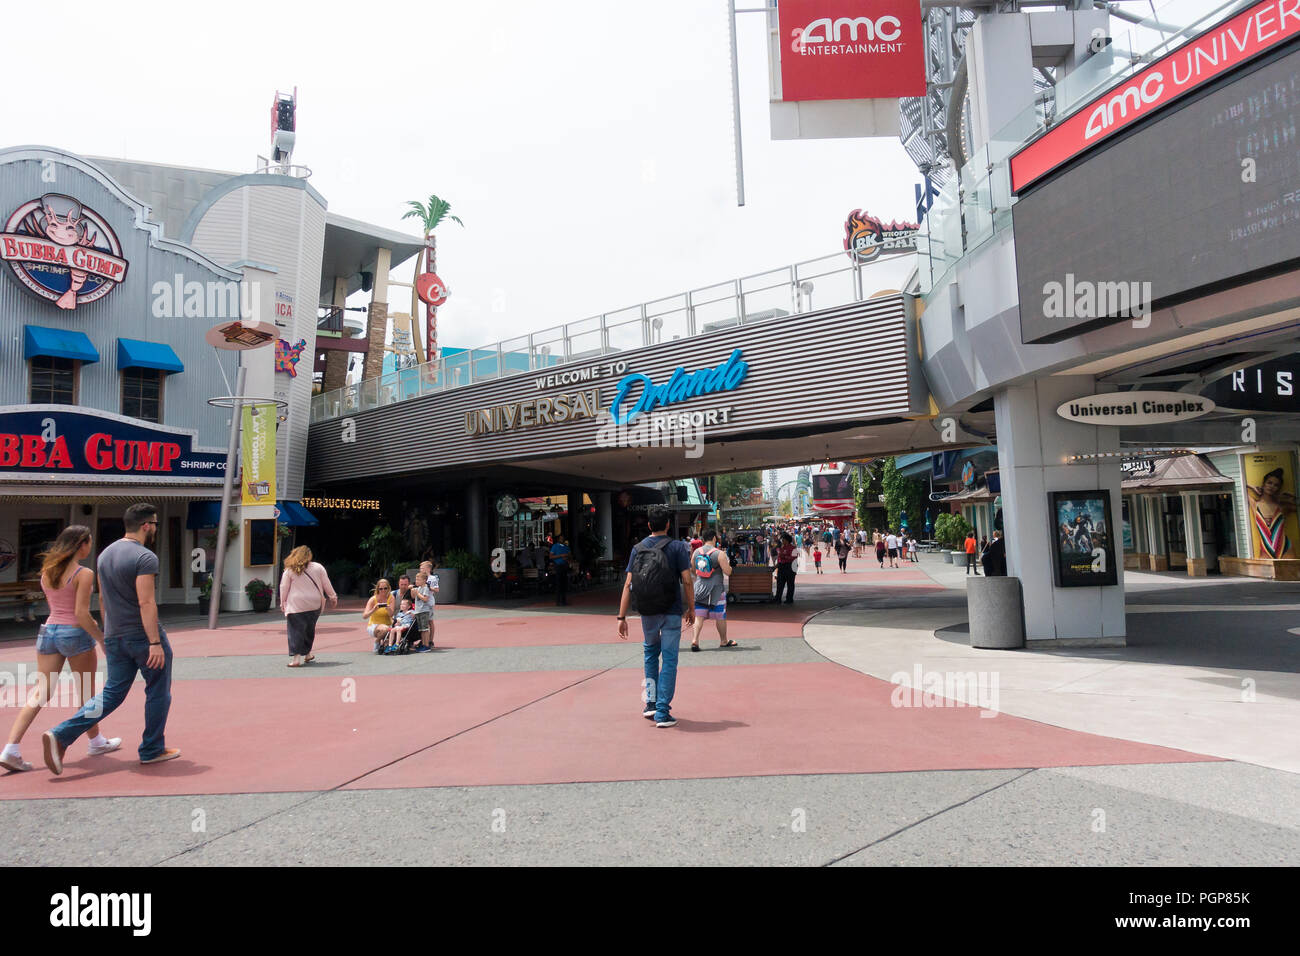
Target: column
377 317
1196 564
336 362
604 522
1158 556
475 520
1034 444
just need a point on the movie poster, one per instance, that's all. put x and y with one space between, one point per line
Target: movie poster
1083 546
1270 490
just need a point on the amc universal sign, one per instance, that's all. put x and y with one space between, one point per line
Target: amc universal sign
1135 408
851 49
62 251
1263 27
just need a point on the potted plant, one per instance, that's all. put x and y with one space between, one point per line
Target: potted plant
472 570
259 592
344 575
382 547
205 594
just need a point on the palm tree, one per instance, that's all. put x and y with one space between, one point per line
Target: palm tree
430 215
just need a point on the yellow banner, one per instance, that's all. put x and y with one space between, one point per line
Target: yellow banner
1270 485
258 450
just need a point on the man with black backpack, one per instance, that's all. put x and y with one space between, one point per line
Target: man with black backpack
659 581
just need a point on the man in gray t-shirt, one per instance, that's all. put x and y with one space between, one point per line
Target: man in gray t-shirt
134 643
709 567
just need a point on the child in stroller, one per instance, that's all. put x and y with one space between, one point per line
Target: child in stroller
405 633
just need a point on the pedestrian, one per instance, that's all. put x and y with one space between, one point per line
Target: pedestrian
911 550
134 643
880 550
659 577
817 558
842 552
69 633
995 556
560 554
426 584
304 588
379 613
785 556
403 592
710 566
970 554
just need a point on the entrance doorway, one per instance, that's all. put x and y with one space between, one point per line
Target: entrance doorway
1218 530
1175 532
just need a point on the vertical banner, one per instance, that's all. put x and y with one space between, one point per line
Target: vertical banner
258 453
1270 487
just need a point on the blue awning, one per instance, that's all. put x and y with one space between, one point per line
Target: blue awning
295 515
57 343
133 353
203 514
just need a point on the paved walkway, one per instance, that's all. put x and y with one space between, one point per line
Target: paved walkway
521 741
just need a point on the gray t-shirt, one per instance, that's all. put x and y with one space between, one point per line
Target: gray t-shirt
710 591
119 565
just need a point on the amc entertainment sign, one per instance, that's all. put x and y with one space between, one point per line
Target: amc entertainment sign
851 49
1263 27
46 441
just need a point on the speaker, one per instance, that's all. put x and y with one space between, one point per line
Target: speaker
367 281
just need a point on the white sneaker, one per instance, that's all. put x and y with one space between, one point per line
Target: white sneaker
14 763
113 744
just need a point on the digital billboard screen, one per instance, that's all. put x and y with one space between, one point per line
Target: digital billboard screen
1206 196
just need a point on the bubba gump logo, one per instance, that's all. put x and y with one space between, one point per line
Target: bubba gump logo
866 237
62 251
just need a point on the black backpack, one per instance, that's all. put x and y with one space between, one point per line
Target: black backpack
655 588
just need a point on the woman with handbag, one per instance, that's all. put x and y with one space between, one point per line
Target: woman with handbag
304 589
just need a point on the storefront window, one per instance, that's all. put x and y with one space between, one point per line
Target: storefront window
142 394
35 537
54 381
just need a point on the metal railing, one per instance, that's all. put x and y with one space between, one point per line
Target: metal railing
830 280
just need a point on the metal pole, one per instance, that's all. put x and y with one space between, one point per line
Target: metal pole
219 565
735 103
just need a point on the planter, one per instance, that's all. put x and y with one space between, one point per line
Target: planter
346 585
959 558
448 586
204 604
947 557
468 590
262 605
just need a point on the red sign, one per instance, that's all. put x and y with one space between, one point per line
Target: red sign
851 49
1226 47
62 251
431 290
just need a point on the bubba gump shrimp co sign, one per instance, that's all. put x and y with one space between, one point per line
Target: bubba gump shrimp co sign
62 251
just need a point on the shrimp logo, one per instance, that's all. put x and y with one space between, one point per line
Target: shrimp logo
62 251
866 237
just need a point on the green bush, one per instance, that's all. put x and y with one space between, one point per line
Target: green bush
381 548
470 566
951 530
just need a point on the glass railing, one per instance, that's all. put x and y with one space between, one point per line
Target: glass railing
820 283
976 204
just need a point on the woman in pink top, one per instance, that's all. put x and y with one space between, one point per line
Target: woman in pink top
304 587
69 633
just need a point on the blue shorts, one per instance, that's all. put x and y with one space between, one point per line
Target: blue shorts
66 639
718 611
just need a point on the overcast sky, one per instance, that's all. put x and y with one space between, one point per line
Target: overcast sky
586 145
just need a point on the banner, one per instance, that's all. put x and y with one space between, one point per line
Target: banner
851 49
1270 486
257 446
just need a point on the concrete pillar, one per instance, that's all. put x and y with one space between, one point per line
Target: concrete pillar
336 363
475 519
1034 444
604 522
1158 554
377 316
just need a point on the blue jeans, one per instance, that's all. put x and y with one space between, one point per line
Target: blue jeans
66 639
663 635
126 657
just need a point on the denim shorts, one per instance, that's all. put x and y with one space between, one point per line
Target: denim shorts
66 639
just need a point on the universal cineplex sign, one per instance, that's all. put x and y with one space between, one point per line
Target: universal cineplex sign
634 394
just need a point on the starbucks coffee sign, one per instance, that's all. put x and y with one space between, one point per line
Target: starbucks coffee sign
1135 408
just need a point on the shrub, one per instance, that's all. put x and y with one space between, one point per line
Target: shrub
257 589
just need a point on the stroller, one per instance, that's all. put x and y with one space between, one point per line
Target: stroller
406 644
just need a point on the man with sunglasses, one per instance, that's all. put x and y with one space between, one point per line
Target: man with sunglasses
134 643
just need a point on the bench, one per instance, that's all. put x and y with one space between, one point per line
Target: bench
22 594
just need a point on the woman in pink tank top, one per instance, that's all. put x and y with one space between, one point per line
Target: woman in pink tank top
68 634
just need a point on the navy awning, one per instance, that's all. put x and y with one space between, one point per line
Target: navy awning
295 515
133 353
203 514
57 343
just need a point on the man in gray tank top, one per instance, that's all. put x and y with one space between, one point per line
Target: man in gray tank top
134 642
709 566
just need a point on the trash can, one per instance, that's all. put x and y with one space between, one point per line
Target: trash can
996 611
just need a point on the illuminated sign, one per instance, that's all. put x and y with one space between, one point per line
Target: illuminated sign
1215 52
866 237
62 251
1135 408
340 504
851 49
681 385
47 442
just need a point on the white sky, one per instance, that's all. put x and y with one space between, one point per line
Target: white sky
586 144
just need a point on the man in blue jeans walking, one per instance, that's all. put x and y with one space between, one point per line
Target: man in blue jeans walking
134 643
662 632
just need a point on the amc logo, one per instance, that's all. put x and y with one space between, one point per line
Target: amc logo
846 29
